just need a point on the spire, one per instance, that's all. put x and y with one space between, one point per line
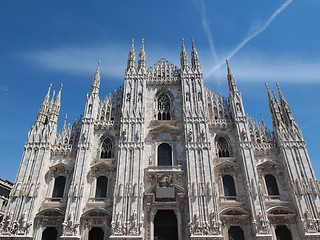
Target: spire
269 93
65 122
52 99
46 98
194 56
184 56
96 81
262 121
274 107
132 56
282 99
231 80
57 102
44 105
142 57
285 107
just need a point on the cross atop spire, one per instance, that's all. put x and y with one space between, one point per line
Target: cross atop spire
142 57
184 56
194 56
131 56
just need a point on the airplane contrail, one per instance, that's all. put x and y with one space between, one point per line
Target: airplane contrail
252 35
205 25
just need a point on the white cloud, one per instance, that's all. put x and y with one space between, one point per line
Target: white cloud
83 60
257 67
254 66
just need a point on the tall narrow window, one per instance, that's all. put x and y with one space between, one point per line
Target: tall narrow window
223 148
107 148
102 185
59 185
228 186
272 186
164 107
164 155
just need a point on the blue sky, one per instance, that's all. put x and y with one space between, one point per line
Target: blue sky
45 42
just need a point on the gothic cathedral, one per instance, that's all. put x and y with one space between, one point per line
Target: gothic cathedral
164 157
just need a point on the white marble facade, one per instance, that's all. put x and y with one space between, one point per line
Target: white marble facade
164 157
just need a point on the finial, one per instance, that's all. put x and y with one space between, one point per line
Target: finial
61 85
192 39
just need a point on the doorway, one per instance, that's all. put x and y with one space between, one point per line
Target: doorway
165 225
50 233
96 233
283 233
235 233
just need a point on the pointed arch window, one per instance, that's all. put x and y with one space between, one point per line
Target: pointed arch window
102 185
107 148
272 186
59 185
164 155
228 186
164 107
223 148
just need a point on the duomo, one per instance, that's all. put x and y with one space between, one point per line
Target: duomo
164 157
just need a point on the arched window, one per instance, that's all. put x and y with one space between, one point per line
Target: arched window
107 148
50 233
164 107
164 155
228 186
223 148
283 233
59 185
235 233
102 185
272 186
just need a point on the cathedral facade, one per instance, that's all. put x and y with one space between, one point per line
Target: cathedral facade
164 157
